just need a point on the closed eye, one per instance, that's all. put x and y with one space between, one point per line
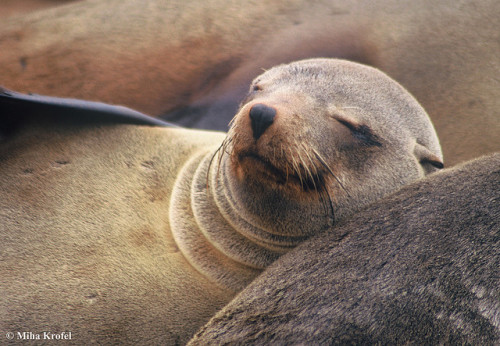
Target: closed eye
361 132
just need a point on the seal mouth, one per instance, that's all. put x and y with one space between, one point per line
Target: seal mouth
298 176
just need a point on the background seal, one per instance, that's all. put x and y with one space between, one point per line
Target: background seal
192 62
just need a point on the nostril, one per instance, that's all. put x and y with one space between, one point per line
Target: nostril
261 117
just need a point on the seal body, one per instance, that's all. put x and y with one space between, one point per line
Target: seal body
132 233
86 241
421 266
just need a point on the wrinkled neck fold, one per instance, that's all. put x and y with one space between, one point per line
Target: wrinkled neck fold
211 232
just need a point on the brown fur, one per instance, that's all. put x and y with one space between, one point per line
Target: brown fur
135 234
421 266
197 58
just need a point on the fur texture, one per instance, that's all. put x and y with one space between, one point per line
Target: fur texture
421 266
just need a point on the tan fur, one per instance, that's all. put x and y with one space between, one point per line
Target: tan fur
136 234
86 245
163 56
421 266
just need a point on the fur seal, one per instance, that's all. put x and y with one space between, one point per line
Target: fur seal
133 233
421 266
193 61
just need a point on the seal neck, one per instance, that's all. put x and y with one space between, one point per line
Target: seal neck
210 231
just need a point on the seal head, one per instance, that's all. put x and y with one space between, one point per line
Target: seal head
313 142
317 139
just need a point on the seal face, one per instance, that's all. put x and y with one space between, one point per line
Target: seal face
317 139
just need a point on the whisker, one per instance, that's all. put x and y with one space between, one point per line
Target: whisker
211 161
287 165
331 205
322 161
296 169
305 167
226 144
231 123
322 201
312 176
313 164
221 150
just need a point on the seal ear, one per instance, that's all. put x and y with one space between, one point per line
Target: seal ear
424 155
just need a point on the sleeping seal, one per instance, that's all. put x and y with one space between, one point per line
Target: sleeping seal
127 233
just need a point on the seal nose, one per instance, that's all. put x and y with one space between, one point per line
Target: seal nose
261 117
